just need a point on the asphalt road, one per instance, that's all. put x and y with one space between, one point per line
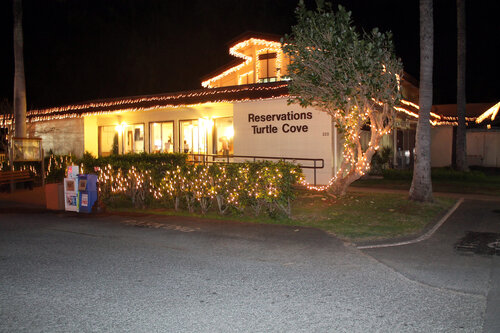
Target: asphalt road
67 273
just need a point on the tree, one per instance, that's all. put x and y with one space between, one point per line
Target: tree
461 143
421 185
5 117
352 77
19 82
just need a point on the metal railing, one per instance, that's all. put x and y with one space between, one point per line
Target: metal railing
304 163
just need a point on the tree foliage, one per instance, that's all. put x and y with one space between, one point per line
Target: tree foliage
352 76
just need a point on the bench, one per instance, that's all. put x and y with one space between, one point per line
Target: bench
16 176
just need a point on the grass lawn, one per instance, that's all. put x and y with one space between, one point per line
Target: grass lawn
490 187
355 217
443 180
369 216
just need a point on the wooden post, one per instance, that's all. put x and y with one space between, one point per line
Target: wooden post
11 162
43 166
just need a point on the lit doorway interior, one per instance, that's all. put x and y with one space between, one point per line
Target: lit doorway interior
133 138
194 136
224 136
161 137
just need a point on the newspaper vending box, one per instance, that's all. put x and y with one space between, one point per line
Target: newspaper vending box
70 189
87 192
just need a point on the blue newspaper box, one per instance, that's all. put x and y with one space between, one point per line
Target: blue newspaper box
87 192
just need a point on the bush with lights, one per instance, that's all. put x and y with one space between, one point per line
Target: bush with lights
168 180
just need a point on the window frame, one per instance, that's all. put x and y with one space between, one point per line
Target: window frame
143 140
151 137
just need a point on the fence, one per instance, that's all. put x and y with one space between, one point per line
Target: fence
304 163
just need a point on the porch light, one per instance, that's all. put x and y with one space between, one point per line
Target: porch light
119 128
229 132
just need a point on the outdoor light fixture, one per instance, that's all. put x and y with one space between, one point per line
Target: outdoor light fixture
121 127
229 132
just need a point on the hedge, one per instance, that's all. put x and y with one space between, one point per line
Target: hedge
169 180
260 187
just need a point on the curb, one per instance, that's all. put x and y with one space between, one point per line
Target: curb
423 237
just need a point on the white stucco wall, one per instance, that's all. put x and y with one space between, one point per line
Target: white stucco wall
62 136
277 140
483 148
441 146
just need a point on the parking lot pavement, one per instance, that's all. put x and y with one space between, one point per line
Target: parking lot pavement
436 262
61 273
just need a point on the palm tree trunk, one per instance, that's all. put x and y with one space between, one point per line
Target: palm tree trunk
19 82
421 186
461 143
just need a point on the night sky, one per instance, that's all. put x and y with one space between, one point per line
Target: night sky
79 50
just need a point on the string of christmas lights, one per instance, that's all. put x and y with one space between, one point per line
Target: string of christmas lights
235 51
203 184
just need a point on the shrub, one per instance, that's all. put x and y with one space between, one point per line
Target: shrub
56 167
167 179
157 164
381 160
227 188
438 174
397 174
453 175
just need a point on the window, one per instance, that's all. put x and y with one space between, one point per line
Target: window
133 137
161 135
108 140
223 136
267 67
245 78
194 136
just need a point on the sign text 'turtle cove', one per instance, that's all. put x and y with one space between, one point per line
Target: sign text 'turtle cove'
285 127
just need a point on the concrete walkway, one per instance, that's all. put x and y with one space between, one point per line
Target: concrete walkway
436 263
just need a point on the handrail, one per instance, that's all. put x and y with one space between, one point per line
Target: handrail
215 158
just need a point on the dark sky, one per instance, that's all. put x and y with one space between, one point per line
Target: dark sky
78 50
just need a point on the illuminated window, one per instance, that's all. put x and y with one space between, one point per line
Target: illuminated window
108 140
224 136
194 136
267 67
246 78
161 135
133 136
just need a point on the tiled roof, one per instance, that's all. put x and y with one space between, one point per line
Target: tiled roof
150 102
440 114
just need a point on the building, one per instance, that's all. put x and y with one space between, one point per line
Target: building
242 111
483 134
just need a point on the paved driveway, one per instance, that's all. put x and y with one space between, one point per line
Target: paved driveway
435 262
61 273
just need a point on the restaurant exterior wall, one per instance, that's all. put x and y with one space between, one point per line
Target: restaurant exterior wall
62 136
261 128
483 148
273 128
